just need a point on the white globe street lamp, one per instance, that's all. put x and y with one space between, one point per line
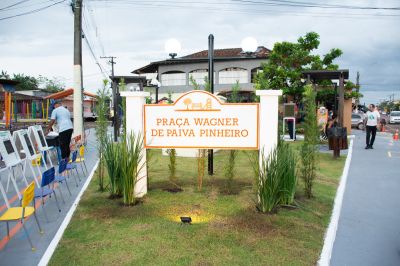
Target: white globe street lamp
249 45
173 47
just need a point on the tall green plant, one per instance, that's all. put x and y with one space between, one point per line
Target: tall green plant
201 153
230 169
230 166
201 167
308 150
172 166
268 183
288 176
112 158
131 160
101 129
276 178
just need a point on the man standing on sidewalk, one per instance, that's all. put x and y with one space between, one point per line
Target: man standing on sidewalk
65 127
372 122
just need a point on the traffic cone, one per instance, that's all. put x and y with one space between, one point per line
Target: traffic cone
396 135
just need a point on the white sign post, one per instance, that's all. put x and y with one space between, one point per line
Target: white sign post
199 120
269 104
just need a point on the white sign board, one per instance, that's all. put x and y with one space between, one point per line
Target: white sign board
39 137
8 149
26 143
199 120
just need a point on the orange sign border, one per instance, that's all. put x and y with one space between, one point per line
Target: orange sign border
201 147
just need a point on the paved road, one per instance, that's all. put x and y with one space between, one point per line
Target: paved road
16 250
391 128
369 224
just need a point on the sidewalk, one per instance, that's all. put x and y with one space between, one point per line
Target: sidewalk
17 250
369 224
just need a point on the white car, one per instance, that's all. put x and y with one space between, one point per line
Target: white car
394 117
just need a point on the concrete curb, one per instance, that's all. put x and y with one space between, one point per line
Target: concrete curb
330 235
53 244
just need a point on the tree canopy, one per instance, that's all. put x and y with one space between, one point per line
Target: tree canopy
29 83
288 60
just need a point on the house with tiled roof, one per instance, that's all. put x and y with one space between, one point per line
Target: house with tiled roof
230 65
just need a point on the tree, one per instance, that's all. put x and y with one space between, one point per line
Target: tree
25 82
187 102
51 85
4 75
288 60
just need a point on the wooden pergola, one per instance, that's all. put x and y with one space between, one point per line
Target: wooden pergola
341 75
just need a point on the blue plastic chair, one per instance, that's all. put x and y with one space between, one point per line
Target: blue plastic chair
47 188
60 178
72 165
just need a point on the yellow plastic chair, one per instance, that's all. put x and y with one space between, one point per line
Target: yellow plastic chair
37 161
81 157
21 213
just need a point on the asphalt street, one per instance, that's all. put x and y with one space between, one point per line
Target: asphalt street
369 223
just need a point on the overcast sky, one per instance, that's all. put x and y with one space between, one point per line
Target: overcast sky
135 32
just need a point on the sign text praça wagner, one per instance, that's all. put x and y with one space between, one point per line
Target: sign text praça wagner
199 120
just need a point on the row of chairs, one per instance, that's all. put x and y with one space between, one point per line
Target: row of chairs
45 189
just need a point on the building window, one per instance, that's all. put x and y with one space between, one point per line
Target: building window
173 78
254 73
199 76
233 74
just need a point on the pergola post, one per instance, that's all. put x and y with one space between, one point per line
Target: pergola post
341 100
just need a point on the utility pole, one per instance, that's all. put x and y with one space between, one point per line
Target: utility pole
78 80
211 80
115 97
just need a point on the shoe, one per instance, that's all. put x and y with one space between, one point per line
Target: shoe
370 146
367 147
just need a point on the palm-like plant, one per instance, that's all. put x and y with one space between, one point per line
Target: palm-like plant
131 160
112 154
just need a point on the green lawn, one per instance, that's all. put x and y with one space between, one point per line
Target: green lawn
227 229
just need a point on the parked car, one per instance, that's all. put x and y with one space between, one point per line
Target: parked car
357 121
394 117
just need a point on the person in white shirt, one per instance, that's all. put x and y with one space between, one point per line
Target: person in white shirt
62 116
372 122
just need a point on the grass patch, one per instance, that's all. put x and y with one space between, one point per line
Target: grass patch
226 230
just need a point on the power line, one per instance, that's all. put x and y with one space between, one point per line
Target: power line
199 6
15 4
33 11
91 22
266 3
95 57
27 5
314 5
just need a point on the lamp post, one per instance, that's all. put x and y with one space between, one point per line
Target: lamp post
211 81
173 47
249 45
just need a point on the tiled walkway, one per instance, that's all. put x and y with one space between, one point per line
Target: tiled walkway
17 251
